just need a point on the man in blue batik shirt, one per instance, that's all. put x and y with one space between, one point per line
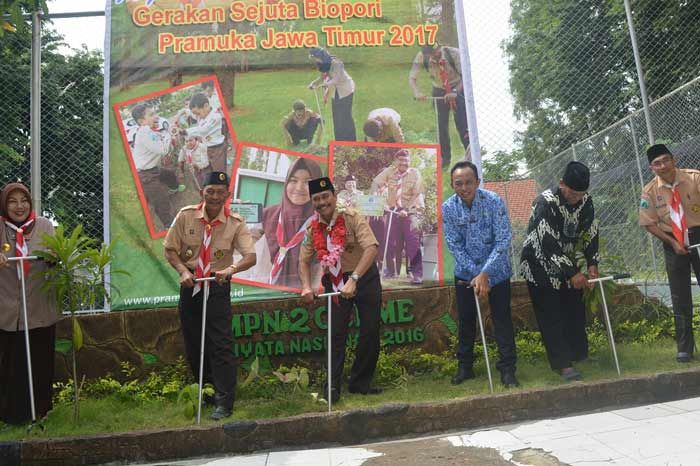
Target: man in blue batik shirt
477 232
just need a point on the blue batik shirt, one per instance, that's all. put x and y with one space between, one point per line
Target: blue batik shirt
478 237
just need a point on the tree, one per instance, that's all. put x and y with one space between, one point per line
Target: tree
16 10
501 166
573 71
71 126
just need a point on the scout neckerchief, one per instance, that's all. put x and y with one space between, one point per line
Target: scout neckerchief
203 265
285 248
21 249
399 187
444 77
677 214
330 248
189 152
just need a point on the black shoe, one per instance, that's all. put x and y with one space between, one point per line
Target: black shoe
463 373
684 357
221 412
368 391
571 375
508 380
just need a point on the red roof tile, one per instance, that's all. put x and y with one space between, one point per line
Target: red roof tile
518 196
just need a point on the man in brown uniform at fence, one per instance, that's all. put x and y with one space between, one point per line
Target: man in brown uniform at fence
406 203
199 244
349 267
670 210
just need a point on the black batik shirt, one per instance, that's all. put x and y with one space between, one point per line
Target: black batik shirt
558 234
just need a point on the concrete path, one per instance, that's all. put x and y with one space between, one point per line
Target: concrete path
654 435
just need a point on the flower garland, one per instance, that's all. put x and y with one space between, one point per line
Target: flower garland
336 231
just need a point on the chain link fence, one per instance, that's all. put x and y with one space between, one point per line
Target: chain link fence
71 125
553 82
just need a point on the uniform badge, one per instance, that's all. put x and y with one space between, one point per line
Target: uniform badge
192 231
644 204
189 253
218 254
222 177
6 247
695 208
659 198
322 183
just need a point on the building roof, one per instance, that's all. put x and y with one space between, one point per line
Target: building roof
518 196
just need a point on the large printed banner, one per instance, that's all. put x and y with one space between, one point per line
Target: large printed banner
275 93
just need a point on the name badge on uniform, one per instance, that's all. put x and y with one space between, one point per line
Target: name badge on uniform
218 254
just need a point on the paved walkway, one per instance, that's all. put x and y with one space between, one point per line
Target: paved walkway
654 435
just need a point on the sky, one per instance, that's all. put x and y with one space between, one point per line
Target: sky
487 28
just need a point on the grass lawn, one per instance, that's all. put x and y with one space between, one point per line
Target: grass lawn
110 415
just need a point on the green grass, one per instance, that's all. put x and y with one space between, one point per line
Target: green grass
110 415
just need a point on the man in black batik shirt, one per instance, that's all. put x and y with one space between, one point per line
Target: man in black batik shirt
562 226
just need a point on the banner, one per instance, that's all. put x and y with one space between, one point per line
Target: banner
275 93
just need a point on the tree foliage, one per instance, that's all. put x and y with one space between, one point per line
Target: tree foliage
16 10
71 126
572 66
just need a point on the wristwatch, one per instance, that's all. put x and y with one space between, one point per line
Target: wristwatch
355 277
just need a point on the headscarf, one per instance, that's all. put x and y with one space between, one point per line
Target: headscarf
293 217
5 194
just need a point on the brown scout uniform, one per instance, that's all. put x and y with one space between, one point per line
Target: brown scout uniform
185 238
654 210
42 314
656 198
411 188
358 237
41 308
368 299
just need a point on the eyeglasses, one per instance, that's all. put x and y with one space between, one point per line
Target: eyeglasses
660 162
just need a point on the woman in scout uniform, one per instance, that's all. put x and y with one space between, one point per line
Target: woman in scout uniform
21 233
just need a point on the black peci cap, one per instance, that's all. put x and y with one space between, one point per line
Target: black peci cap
577 176
319 185
215 178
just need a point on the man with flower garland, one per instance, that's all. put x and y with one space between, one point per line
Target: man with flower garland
346 248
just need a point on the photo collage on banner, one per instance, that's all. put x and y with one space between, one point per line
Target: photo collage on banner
276 93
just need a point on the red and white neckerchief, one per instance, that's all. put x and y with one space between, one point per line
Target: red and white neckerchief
444 77
189 152
21 249
399 187
203 261
334 267
285 248
677 214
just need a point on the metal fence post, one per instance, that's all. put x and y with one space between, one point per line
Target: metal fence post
474 147
640 71
35 112
641 185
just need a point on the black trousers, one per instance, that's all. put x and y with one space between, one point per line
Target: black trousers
499 300
561 316
15 404
219 363
460 118
304 132
678 271
343 124
368 301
